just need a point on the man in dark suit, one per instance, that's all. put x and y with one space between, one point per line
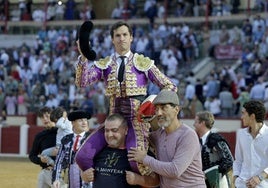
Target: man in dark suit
69 146
215 150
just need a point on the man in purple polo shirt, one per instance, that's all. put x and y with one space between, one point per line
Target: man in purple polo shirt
178 150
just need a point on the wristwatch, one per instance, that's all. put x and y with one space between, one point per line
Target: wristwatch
260 176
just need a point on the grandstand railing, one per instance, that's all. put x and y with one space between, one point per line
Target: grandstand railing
19 27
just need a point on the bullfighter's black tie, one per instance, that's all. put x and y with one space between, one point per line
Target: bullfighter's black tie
121 69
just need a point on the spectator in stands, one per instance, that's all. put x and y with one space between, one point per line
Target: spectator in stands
150 9
60 10
22 102
14 72
100 102
258 34
215 149
257 91
262 48
164 53
141 43
88 14
235 4
161 11
37 90
227 102
224 35
266 99
158 45
236 36
188 45
247 57
38 15
11 103
2 105
22 8
188 7
132 6
171 64
4 57
255 69
199 85
258 21
52 35
242 99
250 165
70 10
44 69
204 45
226 8
195 106
65 103
53 87
71 89
185 107
247 28
51 11
87 105
11 85
62 43
26 77
213 104
75 105
29 7
216 7
117 12
52 101
179 9
189 91
43 140
212 87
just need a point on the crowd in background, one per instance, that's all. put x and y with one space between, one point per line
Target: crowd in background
72 10
43 74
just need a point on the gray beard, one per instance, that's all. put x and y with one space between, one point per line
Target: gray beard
164 125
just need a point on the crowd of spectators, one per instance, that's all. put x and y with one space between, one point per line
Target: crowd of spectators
72 10
55 10
43 74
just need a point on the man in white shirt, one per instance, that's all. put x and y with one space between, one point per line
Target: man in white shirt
250 168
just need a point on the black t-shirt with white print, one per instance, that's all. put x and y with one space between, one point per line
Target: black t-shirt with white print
110 166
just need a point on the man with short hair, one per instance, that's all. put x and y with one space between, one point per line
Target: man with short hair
111 166
43 140
215 150
68 148
177 146
126 76
250 168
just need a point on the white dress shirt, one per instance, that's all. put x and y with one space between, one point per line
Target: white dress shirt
251 156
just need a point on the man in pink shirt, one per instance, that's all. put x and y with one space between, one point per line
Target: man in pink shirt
177 147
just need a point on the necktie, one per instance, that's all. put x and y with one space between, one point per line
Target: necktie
75 148
121 69
201 142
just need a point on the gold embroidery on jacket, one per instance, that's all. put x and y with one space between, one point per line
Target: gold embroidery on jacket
78 75
142 63
103 63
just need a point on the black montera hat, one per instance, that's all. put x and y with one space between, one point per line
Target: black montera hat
83 36
78 114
